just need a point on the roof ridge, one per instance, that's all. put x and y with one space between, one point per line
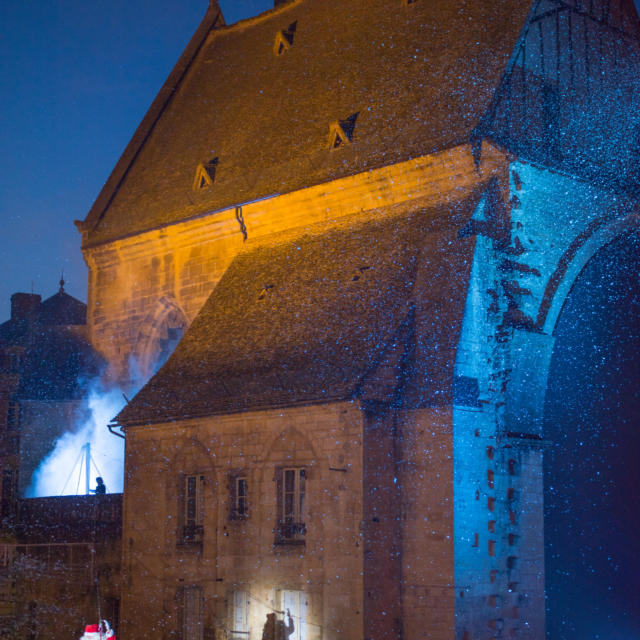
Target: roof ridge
260 17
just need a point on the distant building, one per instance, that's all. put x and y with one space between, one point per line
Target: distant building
54 552
46 363
366 217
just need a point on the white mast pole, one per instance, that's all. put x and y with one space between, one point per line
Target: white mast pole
87 466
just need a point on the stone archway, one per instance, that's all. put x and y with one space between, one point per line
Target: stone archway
530 435
590 425
595 236
159 334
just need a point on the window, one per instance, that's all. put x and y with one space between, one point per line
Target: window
190 613
205 174
8 493
284 39
291 493
192 525
14 362
295 602
341 132
239 497
239 615
13 415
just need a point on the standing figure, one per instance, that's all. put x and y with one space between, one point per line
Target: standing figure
276 629
101 488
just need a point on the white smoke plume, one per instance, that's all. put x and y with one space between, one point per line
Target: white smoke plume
62 472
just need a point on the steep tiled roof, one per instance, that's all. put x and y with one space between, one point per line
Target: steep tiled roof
356 311
57 360
416 77
62 309
58 310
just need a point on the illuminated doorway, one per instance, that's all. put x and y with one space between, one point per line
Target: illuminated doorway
296 603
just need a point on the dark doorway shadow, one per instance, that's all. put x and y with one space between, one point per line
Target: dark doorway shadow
592 463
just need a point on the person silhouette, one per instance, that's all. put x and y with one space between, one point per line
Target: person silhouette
101 488
275 629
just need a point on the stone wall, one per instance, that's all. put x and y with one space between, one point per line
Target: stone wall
244 554
426 473
377 556
555 223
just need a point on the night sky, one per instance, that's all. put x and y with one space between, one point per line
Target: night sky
76 79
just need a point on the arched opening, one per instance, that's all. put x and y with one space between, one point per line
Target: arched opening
592 470
158 337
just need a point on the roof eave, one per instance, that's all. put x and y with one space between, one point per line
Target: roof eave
125 423
474 136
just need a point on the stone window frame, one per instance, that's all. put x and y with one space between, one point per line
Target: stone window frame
290 515
191 509
13 415
239 506
239 602
297 602
190 612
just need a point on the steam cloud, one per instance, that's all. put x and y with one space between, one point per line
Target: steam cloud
60 472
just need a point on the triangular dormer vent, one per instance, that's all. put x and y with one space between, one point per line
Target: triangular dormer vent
205 175
341 132
284 39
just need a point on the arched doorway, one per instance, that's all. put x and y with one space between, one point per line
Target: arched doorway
592 462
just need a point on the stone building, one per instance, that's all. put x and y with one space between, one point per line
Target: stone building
46 361
368 218
55 550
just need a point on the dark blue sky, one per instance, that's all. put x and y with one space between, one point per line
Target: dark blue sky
75 80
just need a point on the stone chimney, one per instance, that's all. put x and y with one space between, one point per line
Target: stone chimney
24 305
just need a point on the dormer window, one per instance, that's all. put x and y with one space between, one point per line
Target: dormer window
205 175
341 132
284 39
